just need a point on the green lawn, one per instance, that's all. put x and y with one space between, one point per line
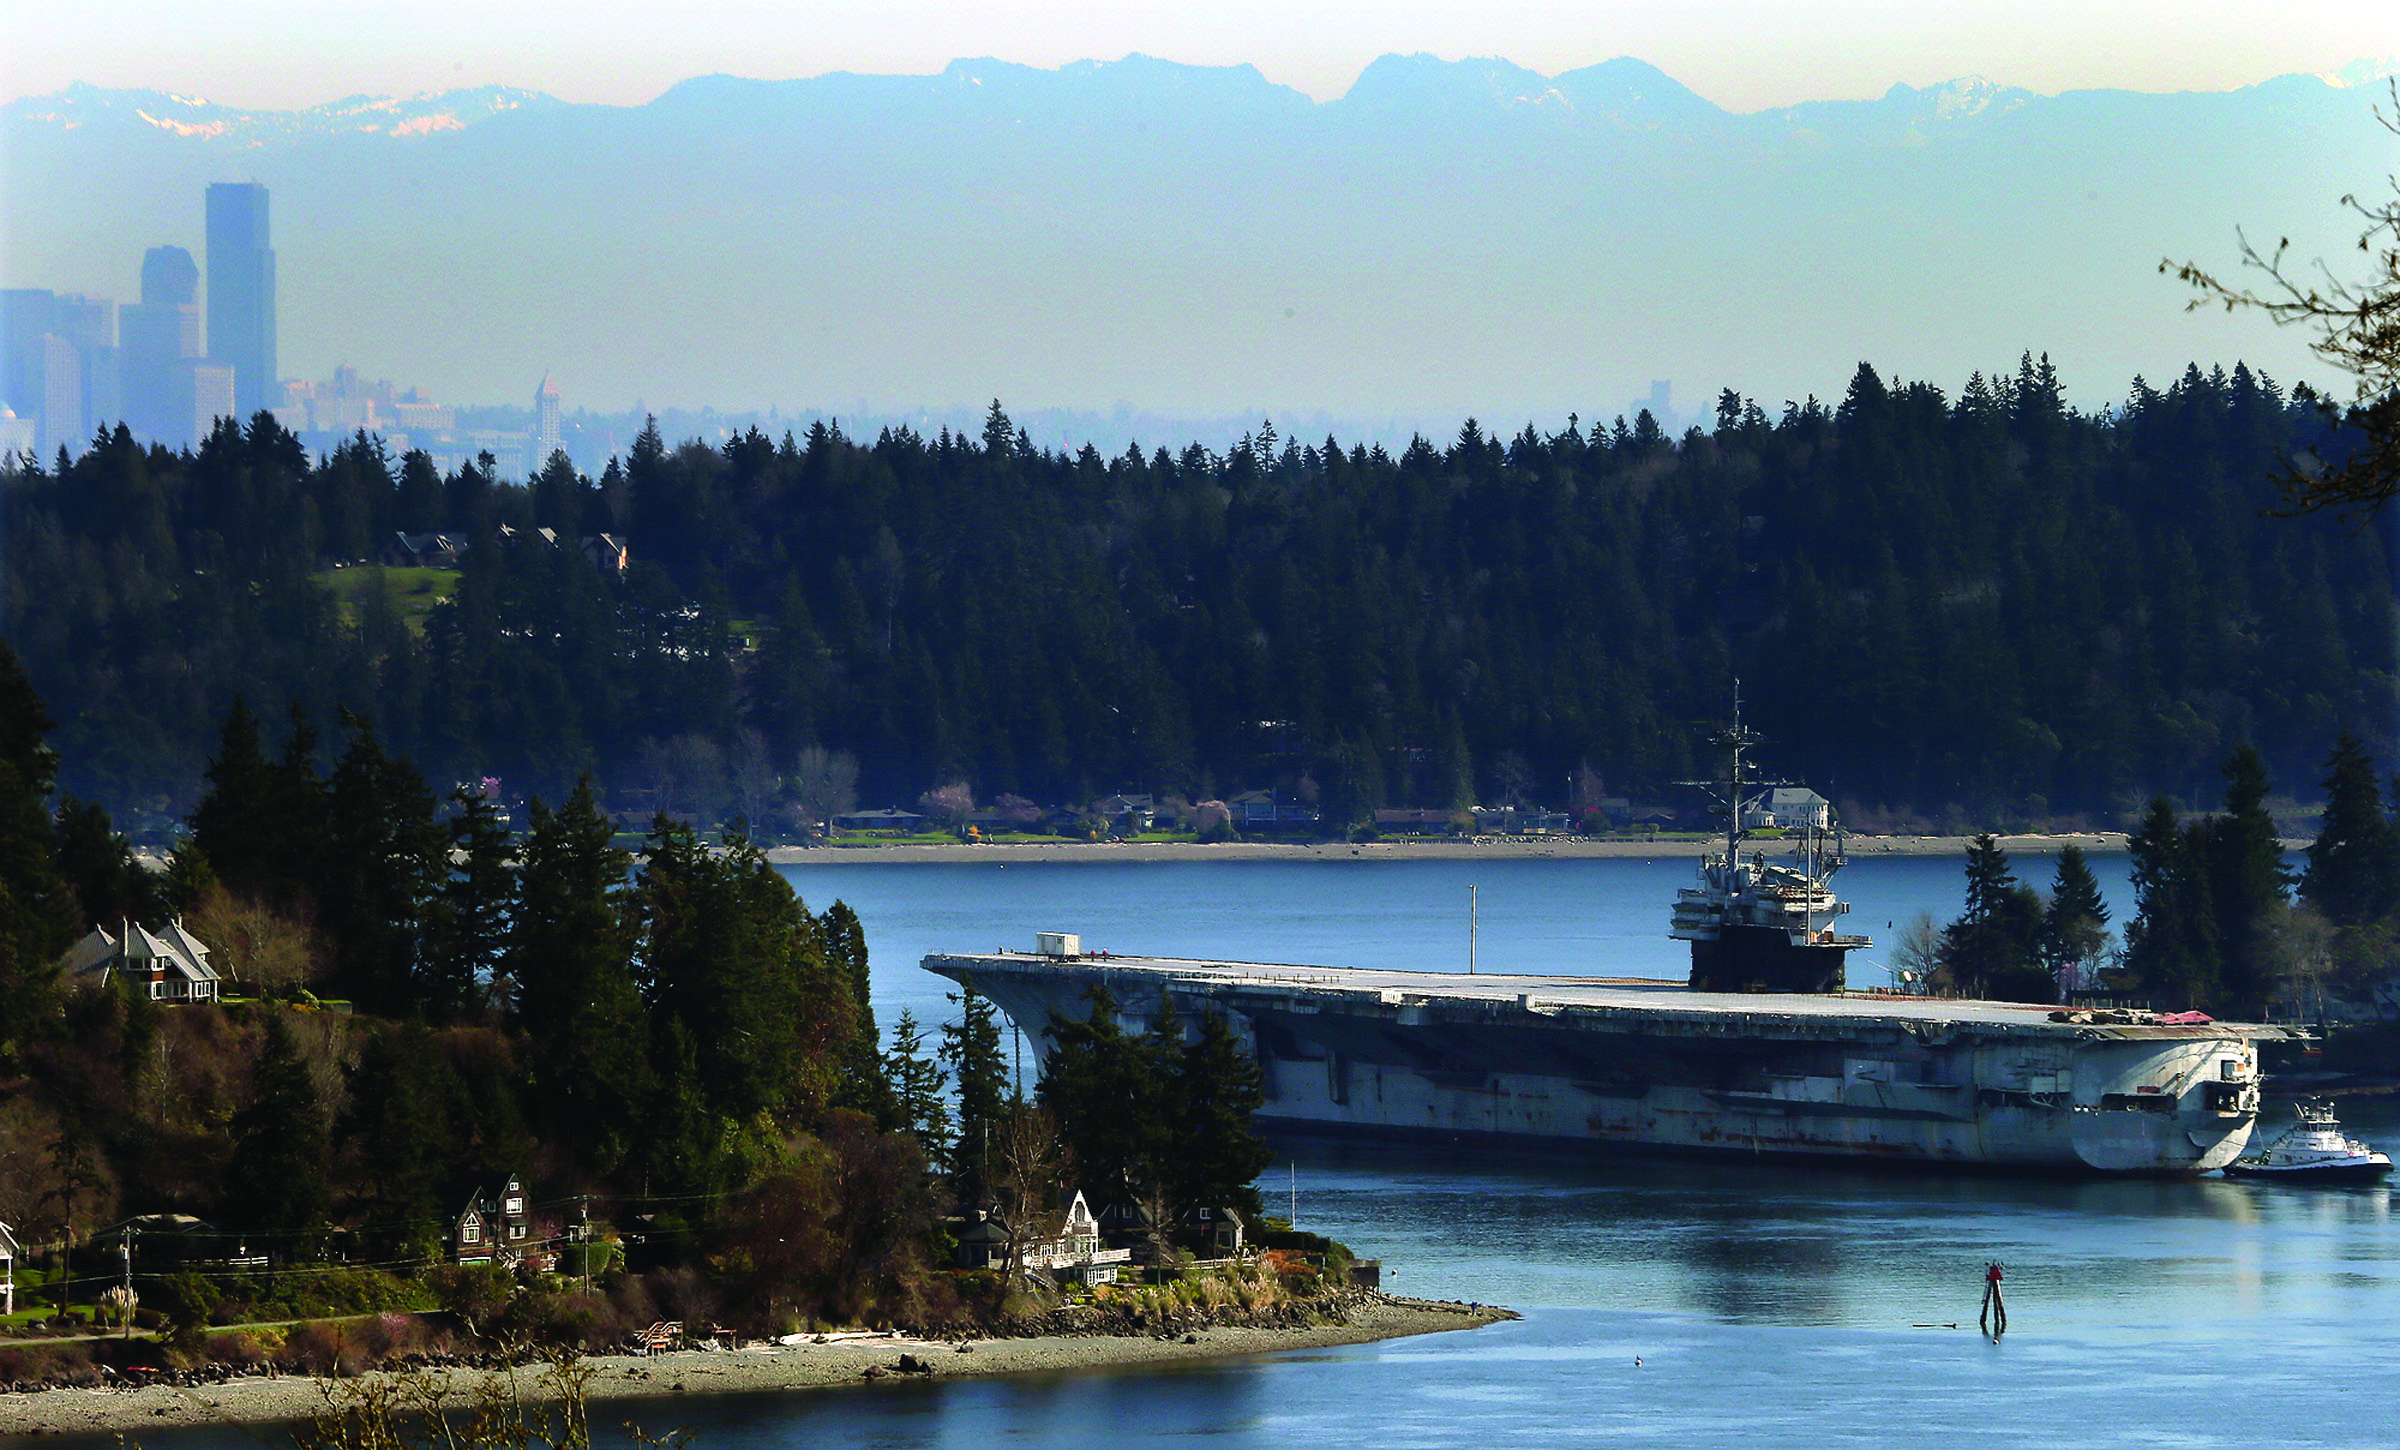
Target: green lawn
412 592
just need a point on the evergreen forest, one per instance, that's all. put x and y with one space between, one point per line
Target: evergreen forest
676 1058
1985 608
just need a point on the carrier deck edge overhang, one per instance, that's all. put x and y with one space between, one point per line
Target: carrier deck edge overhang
1656 1064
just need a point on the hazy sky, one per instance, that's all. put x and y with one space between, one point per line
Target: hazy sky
1745 55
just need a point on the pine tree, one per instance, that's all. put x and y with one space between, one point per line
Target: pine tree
385 857
917 1081
2171 944
570 961
866 1084
1992 949
37 915
1219 1155
2075 929
404 1121
971 1047
233 826
2353 872
2242 854
468 921
1107 1088
277 1172
109 885
729 952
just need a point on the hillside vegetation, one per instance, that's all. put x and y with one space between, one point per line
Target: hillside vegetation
1984 608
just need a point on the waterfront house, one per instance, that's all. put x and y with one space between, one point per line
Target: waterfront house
892 818
1064 1245
1793 808
1252 808
1267 809
494 1228
1127 814
170 965
8 1271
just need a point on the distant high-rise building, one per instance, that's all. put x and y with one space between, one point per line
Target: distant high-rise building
170 275
27 316
159 340
204 393
44 339
89 326
545 423
241 292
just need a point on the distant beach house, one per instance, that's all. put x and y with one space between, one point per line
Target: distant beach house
1262 809
8 1271
1127 813
1793 808
1062 1245
891 818
169 962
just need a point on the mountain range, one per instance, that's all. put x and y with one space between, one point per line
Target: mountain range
1446 238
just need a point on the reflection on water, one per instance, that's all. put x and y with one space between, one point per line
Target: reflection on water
1771 1306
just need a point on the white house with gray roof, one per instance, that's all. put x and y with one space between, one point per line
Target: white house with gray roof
170 961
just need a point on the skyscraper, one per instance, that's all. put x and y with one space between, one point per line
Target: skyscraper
89 326
241 292
158 343
41 361
545 423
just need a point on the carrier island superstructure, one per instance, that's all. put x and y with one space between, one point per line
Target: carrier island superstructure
1762 1052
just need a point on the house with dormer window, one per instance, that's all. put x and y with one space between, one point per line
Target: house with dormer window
496 1228
167 965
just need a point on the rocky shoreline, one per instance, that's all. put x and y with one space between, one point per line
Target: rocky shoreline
1063 1340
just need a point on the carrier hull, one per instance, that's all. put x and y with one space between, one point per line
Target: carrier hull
1591 1062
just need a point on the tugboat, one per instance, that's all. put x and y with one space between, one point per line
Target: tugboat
2314 1150
1756 925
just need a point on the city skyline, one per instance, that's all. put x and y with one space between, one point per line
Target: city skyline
1446 241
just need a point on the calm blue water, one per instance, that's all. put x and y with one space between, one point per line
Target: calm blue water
1771 1306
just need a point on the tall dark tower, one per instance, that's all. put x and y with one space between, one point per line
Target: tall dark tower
241 292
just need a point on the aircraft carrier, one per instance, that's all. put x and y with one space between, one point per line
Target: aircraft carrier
1762 1052
1588 1060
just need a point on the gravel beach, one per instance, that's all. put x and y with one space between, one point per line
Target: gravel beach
840 1362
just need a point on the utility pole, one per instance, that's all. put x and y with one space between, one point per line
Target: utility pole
583 1234
125 1251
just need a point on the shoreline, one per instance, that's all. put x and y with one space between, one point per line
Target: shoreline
1476 848
621 1378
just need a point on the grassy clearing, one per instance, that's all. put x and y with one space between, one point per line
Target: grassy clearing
412 593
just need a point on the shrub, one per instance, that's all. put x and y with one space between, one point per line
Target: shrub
584 1321
477 1293
66 1364
323 1349
236 1348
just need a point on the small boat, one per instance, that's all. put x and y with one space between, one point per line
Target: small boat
2313 1150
